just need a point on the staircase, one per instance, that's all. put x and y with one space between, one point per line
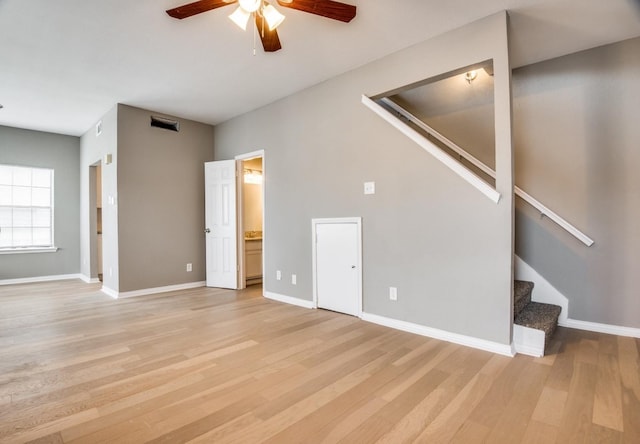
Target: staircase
534 314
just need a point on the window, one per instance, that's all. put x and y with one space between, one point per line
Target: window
26 208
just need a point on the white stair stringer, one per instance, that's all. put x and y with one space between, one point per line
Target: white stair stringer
543 290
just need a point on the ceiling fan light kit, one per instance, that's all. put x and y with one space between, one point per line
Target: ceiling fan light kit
240 17
272 16
250 5
264 13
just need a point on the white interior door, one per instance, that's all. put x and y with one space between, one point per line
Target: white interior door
220 224
338 274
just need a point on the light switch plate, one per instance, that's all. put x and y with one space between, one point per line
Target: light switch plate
369 188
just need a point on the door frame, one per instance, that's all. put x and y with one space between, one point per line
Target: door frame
240 158
337 220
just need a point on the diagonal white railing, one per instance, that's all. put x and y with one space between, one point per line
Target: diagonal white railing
434 150
543 209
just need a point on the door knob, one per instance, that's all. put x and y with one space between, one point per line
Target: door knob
353 266
206 230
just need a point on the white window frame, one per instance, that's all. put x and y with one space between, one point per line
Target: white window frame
39 248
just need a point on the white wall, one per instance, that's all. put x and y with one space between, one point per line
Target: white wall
93 148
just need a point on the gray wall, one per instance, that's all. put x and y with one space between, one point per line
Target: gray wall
444 245
39 149
160 200
578 152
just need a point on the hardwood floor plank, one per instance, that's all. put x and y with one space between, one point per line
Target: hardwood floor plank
512 423
607 405
578 413
210 365
540 433
445 426
550 407
628 363
470 432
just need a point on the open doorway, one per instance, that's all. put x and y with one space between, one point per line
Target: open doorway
95 221
99 219
234 221
251 218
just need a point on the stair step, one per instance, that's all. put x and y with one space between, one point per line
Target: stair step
541 317
521 296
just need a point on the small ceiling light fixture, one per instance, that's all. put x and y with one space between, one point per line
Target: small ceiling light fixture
248 8
252 176
470 76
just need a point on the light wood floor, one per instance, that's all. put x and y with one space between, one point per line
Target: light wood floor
216 366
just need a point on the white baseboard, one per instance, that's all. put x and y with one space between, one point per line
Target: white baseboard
601 328
469 341
147 291
31 280
109 292
528 341
545 292
88 279
289 300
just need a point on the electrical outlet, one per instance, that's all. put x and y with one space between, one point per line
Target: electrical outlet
189 267
393 293
278 275
293 279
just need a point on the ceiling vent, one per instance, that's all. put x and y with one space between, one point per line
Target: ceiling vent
164 123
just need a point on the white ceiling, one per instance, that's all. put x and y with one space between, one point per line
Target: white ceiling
65 63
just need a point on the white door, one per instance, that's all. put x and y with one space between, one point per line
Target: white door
337 266
220 224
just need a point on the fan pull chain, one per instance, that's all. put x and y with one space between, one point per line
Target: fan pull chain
255 33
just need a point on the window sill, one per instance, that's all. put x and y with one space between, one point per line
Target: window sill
28 250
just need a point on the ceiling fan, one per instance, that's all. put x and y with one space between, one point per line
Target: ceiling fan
266 17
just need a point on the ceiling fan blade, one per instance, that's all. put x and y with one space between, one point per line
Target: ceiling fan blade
194 8
270 39
325 8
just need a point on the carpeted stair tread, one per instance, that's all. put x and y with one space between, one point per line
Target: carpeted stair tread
521 296
541 317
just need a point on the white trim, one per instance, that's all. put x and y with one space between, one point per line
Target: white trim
336 220
251 155
109 292
543 209
23 250
601 328
289 300
147 291
452 145
89 280
545 292
528 341
31 280
433 149
468 341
